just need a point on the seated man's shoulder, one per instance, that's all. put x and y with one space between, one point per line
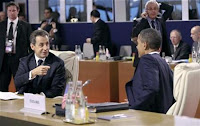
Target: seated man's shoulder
150 59
55 58
185 43
26 58
146 57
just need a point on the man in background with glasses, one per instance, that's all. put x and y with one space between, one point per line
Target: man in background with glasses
150 19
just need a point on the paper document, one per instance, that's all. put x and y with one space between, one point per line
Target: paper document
117 116
9 96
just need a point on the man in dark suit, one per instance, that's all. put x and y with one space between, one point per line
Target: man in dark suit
179 49
40 71
101 35
151 20
14 44
51 25
151 88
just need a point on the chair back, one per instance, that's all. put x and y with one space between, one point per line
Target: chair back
88 50
186 90
71 64
125 50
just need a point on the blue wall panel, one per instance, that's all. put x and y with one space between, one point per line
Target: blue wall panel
76 33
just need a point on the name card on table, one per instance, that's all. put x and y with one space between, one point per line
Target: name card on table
34 103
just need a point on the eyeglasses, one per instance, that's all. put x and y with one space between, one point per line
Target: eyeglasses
151 9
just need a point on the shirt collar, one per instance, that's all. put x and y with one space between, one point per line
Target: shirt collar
97 20
155 52
37 58
149 19
14 21
49 20
176 45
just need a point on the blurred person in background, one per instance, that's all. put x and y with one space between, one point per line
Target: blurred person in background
2 16
179 49
50 25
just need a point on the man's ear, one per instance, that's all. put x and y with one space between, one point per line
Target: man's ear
32 46
146 47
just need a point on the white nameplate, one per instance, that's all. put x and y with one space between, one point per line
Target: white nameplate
34 103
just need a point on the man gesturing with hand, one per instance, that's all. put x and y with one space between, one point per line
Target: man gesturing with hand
40 71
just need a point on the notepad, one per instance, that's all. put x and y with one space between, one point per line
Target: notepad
113 117
9 96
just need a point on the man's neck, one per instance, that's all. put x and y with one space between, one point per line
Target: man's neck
152 19
12 19
96 19
150 50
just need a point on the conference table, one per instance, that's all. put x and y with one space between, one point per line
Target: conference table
108 79
104 80
10 115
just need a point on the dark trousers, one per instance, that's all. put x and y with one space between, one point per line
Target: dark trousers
9 68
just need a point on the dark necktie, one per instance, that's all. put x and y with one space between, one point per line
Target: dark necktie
35 81
40 62
10 33
152 24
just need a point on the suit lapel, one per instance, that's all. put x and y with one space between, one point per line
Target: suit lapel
47 61
19 27
32 63
178 49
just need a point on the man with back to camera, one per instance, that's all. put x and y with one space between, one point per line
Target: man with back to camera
150 19
179 49
151 88
14 44
40 71
101 35
195 34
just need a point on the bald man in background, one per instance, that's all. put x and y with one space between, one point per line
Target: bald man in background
195 35
179 49
2 16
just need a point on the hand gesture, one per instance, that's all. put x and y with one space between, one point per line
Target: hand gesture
43 25
53 25
144 14
40 70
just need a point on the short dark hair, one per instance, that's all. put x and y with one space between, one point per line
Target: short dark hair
36 33
49 9
151 37
13 4
95 13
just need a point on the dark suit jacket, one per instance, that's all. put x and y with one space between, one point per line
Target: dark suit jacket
101 36
57 37
142 23
51 84
151 88
22 41
182 51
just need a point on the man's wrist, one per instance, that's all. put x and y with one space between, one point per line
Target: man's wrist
55 30
31 76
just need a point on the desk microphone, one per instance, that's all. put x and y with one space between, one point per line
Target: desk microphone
86 83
